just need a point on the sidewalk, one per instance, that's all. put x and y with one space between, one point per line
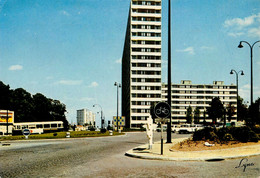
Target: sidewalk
205 155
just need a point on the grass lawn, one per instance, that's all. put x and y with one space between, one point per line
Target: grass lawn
73 134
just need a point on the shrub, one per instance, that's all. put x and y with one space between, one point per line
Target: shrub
256 129
243 134
227 137
55 134
222 132
213 136
103 130
92 129
203 134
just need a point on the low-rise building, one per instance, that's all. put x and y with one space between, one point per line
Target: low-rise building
187 94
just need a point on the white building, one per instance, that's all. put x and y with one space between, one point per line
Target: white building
198 95
86 117
141 61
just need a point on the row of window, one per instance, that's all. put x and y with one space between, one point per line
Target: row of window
139 95
138 118
147 3
142 103
146 65
148 11
146 57
157 27
203 86
140 110
146 88
148 80
200 102
141 72
146 34
201 97
153 50
146 42
147 19
201 92
186 107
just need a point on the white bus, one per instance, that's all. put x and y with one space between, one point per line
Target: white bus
38 127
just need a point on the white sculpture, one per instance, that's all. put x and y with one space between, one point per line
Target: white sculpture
150 127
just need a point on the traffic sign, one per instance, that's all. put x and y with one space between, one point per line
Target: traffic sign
26 132
162 110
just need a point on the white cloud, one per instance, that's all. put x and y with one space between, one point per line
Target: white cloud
119 61
16 67
254 32
241 23
93 84
236 34
189 50
70 82
249 26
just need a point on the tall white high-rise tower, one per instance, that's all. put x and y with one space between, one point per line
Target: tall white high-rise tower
141 61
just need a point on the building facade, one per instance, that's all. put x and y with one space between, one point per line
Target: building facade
187 94
86 117
141 61
6 125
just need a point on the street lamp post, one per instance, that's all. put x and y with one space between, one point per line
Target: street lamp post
169 126
251 55
101 114
118 85
242 73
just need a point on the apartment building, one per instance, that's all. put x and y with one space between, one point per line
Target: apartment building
141 61
86 117
187 94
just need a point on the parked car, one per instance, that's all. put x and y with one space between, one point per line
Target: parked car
188 128
176 128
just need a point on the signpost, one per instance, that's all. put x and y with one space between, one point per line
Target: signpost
26 133
162 110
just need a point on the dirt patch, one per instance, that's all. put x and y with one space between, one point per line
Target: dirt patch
189 145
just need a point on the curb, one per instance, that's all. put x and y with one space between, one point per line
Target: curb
141 155
186 159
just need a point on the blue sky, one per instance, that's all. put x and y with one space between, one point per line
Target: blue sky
71 50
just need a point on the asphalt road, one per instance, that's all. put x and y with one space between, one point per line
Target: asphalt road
104 157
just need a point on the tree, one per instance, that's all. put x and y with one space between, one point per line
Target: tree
216 109
242 110
204 118
196 115
254 113
189 115
22 105
42 107
4 96
57 112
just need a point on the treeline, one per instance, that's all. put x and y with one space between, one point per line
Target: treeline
31 108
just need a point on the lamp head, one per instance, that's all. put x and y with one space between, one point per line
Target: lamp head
115 84
231 72
242 73
240 45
